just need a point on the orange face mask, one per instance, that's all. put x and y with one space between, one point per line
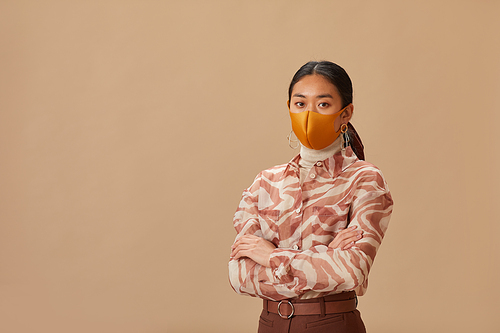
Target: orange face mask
315 130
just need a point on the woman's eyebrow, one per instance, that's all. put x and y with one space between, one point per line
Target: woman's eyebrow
319 96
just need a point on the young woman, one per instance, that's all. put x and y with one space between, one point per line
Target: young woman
308 230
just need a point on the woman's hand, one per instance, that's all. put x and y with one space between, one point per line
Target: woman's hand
256 248
346 238
259 250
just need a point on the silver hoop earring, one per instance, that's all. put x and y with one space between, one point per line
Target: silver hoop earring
294 141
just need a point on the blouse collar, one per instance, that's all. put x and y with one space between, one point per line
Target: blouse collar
334 164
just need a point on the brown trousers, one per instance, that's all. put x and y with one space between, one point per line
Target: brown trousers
346 322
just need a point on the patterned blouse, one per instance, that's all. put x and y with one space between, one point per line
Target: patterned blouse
302 220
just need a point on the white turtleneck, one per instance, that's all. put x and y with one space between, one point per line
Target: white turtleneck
309 157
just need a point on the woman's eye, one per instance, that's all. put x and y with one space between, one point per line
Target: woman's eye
323 105
300 104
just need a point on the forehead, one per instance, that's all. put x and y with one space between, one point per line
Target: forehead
313 85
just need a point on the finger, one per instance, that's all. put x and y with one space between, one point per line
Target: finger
348 246
348 238
239 248
345 232
349 235
238 243
342 232
352 234
250 237
245 239
348 243
239 255
352 237
348 229
245 254
345 236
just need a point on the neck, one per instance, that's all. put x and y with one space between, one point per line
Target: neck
313 156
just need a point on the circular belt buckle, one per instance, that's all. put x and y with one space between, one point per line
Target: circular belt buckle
283 316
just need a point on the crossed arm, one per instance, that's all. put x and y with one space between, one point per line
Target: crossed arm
258 268
259 250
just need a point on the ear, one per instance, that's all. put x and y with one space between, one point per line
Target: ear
288 104
346 116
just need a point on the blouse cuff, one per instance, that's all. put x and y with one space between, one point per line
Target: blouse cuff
280 260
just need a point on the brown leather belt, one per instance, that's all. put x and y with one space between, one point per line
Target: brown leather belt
344 302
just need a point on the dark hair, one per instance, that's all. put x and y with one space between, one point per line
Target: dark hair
332 72
339 78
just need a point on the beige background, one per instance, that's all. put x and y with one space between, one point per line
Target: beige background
128 130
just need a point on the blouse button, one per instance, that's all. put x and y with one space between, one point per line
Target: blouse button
319 164
297 211
313 176
295 247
